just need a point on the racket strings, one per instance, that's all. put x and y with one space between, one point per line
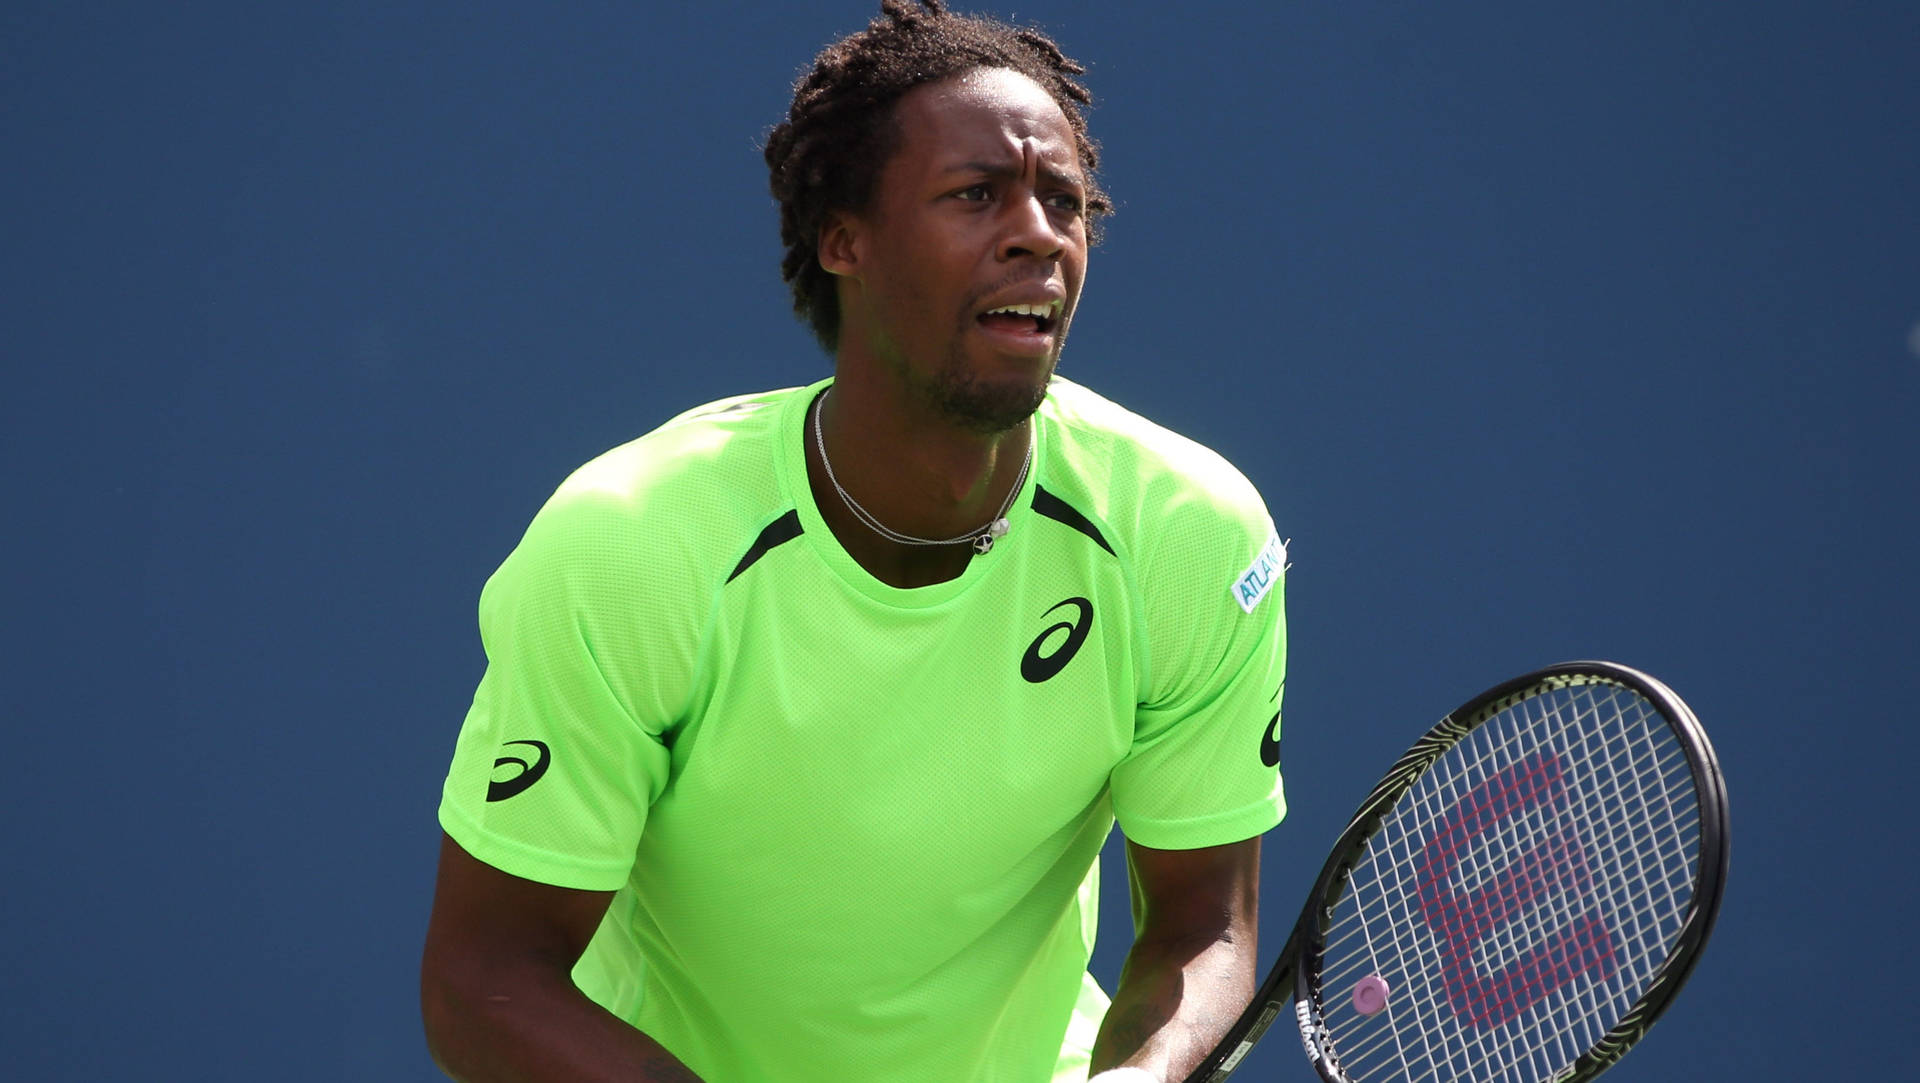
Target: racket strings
1369 962
1485 1051
1355 964
1675 766
1509 974
1426 1054
1455 797
1630 864
1484 1045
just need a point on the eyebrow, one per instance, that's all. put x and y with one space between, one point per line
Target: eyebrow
1002 171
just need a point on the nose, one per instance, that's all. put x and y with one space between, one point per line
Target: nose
1030 231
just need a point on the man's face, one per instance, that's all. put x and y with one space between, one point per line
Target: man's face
981 210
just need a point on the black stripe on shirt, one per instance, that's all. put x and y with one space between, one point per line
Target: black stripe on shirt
781 530
1059 510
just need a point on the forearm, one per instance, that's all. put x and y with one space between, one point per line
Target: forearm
1175 1002
535 1026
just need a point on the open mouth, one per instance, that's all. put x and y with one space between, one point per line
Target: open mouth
1037 319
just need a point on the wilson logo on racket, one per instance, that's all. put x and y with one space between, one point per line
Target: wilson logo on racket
514 786
1463 920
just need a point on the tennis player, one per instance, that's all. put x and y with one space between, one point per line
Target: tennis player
807 713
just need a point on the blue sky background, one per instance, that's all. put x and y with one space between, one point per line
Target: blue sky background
1548 331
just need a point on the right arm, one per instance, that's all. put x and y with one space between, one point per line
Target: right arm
496 985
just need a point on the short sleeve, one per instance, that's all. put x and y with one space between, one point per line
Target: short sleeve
1203 768
564 748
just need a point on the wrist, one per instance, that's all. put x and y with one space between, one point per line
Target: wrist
1124 1075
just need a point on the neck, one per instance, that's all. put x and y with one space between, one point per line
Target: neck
913 474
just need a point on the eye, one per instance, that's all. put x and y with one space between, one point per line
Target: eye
977 193
1066 201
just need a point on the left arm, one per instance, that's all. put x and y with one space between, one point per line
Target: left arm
1190 972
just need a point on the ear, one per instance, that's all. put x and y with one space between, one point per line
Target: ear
839 247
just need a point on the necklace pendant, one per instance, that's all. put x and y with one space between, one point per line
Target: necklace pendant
983 542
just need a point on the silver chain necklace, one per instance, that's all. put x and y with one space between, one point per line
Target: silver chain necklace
982 537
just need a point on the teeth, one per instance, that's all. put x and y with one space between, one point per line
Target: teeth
1043 311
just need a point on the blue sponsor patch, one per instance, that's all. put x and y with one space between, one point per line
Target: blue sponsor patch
1258 579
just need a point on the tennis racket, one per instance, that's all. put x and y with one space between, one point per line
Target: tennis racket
1517 900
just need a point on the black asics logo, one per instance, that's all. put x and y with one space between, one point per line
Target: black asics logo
1270 742
529 773
1037 667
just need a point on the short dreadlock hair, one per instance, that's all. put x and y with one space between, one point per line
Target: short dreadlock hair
839 131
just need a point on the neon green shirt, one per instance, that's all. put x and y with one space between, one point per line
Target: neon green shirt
852 829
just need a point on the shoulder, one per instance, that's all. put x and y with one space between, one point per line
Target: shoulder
667 509
712 453
1143 479
701 469
1193 534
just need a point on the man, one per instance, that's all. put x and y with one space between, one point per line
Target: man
807 713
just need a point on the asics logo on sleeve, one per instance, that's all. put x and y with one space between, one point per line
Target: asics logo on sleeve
1037 667
1270 742
501 789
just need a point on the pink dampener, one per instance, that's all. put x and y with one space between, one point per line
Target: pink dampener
1370 995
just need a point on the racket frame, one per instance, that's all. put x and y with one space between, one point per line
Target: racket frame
1293 981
